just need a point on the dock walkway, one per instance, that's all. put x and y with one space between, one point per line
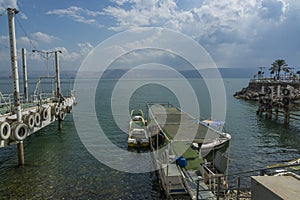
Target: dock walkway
180 131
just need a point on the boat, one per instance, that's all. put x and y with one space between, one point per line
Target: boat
215 143
182 169
137 134
290 168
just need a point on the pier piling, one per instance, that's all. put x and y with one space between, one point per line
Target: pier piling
21 153
15 77
58 95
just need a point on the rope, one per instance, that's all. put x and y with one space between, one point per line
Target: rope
20 25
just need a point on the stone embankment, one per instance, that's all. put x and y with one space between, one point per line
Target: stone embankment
275 90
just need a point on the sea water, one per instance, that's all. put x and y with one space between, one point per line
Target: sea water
58 166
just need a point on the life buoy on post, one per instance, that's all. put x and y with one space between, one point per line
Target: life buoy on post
19 131
37 119
44 114
29 120
285 101
62 115
55 110
4 130
285 92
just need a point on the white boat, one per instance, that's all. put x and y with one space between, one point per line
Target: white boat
137 135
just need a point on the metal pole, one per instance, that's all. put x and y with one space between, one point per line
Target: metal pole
57 74
238 188
197 189
47 58
58 95
15 76
219 187
25 75
14 64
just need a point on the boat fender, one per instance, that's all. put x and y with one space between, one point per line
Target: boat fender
269 90
19 131
4 130
29 120
37 119
285 92
44 113
62 115
285 100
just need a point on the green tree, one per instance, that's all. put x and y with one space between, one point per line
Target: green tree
298 72
277 66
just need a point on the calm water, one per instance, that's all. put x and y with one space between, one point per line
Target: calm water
58 165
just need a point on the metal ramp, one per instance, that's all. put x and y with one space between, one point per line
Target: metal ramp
191 181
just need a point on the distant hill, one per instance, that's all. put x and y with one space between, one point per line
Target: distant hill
117 73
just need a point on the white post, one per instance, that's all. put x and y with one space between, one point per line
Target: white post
14 64
25 75
278 90
57 74
263 89
58 95
15 76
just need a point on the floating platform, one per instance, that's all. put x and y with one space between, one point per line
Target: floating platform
180 165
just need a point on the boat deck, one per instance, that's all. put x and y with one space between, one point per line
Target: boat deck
178 125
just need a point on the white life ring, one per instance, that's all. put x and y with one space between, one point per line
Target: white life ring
4 130
285 92
54 110
29 120
19 130
44 114
37 119
62 115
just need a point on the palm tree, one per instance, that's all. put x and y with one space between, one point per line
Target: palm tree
286 70
277 66
271 72
298 72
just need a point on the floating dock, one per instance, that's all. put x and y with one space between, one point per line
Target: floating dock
181 170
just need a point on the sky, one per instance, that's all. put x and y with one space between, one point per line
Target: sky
235 33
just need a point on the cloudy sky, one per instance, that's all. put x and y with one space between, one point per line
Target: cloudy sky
236 33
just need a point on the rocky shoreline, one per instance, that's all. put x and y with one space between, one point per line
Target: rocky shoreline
274 89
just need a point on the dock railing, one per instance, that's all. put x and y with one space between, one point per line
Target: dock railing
239 186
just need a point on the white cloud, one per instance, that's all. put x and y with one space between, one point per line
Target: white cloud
141 13
4 4
78 56
201 21
23 16
25 41
43 37
78 14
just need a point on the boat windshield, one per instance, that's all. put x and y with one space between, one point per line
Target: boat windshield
138 134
